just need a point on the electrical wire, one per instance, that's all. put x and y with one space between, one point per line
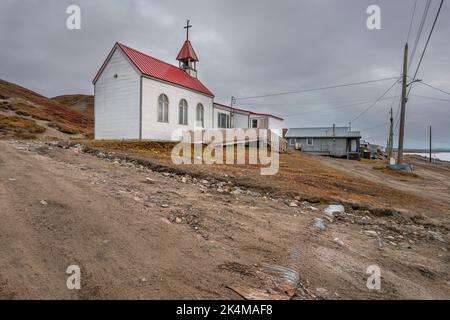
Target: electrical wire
336 108
412 19
316 89
426 46
419 32
432 87
376 101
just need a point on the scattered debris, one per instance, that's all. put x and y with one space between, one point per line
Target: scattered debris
436 236
318 224
286 279
401 168
339 241
150 180
370 233
380 242
333 209
321 291
257 294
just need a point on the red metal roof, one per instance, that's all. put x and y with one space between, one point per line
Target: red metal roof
187 52
158 69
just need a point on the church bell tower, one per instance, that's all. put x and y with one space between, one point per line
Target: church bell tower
187 57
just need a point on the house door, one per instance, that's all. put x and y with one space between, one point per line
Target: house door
353 146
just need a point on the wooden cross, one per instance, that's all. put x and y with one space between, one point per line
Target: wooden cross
187 29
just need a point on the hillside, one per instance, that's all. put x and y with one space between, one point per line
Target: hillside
26 114
78 102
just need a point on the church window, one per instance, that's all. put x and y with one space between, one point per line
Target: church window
183 114
200 115
163 108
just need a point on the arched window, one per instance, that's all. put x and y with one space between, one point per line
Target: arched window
200 116
163 108
183 114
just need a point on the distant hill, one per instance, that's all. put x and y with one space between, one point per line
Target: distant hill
25 114
78 102
435 150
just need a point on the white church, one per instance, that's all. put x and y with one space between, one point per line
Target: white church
140 97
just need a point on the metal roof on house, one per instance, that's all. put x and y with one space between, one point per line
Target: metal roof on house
154 68
250 113
187 52
322 132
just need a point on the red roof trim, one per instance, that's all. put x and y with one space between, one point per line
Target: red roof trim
251 112
158 69
265 115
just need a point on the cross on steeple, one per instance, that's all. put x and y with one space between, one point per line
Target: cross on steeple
187 29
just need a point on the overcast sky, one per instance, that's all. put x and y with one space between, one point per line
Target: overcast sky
247 48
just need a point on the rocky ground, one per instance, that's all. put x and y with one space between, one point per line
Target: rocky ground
140 230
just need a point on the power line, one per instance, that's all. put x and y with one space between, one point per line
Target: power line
426 45
316 89
374 127
412 19
430 98
419 32
432 87
301 103
376 101
337 107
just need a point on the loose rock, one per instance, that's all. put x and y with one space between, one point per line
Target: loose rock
333 209
371 233
318 224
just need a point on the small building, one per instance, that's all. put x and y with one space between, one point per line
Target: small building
227 117
370 151
330 141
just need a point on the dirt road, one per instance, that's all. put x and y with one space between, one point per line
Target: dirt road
141 234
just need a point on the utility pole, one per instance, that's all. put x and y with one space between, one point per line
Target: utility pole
233 102
431 159
403 105
391 138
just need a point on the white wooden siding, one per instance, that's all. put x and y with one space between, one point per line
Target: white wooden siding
117 100
275 123
240 120
154 130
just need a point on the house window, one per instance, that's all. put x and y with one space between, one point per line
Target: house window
292 142
163 108
254 123
223 120
200 117
309 142
263 123
183 113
